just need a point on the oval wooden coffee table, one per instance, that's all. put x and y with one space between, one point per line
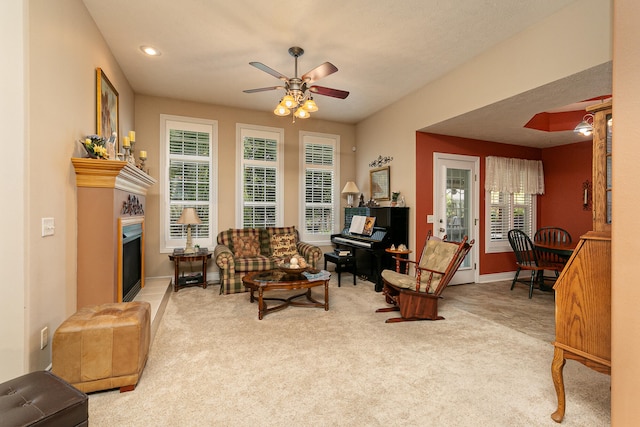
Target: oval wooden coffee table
262 281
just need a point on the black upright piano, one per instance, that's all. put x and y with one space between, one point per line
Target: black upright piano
391 227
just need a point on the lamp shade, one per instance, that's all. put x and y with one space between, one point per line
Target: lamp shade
350 188
189 216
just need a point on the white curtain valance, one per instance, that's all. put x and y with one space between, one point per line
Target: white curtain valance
514 175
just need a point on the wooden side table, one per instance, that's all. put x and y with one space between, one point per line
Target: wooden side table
400 254
177 259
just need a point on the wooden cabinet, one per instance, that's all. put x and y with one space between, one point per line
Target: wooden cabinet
583 290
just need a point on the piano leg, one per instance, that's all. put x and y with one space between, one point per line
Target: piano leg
378 275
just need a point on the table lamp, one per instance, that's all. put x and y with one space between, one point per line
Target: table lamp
189 217
350 189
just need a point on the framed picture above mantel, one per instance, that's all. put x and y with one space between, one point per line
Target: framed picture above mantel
107 109
379 183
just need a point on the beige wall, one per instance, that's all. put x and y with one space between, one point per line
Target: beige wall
625 295
508 69
147 114
13 184
64 48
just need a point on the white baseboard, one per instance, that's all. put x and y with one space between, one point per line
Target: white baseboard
496 277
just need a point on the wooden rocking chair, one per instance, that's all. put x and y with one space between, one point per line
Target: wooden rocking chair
416 295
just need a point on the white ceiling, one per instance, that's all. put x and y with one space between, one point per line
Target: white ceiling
383 50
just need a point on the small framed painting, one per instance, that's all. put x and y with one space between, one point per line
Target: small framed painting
107 109
379 183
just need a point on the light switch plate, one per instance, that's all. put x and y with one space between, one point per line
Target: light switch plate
430 219
48 227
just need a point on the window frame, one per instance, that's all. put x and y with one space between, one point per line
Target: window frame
167 245
503 245
248 130
305 138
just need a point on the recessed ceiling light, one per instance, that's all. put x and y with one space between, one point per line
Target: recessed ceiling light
151 51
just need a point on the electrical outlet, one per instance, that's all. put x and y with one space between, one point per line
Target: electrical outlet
44 337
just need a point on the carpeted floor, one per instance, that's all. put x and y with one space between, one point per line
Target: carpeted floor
214 363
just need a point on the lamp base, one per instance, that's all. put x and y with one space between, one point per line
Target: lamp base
189 248
350 200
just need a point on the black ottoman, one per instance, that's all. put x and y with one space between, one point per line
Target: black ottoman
42 399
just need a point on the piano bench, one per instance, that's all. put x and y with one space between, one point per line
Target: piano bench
341 262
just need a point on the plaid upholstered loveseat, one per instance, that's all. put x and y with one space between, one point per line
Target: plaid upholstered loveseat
241 250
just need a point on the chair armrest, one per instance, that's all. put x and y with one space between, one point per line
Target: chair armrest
430 273
310 252
407 264
224 258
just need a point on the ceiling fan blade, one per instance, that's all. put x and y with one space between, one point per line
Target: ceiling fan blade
274 73
262 89
319 72
327 91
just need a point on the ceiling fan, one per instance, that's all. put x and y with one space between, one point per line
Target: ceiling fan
298 89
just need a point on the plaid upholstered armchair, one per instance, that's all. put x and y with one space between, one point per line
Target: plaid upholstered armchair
241 250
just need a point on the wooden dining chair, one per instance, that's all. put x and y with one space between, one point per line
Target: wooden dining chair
527 258
550 235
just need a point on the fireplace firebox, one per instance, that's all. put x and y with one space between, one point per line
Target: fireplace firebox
131 261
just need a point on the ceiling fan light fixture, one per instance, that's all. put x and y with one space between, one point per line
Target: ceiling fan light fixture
288 101
297 97
301 113
281 110
310 105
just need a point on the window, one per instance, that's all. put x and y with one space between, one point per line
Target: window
319 184
506 211
260 183
188 171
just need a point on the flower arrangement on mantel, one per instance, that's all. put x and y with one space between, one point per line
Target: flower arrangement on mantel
95 146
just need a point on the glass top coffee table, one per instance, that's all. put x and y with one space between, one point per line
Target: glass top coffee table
262 281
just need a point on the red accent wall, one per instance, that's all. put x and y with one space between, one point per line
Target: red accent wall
565 168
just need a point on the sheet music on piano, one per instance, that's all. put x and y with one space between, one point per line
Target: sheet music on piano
361 224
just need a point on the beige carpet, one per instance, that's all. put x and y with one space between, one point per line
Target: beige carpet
213 363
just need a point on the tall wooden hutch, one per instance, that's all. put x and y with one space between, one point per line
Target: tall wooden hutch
583 290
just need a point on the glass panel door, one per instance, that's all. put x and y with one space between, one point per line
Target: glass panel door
455 206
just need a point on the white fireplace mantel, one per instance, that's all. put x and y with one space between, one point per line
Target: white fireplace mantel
117 174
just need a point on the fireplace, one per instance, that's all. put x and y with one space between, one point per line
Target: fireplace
111 230
130 257
131 261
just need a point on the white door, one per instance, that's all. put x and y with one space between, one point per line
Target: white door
456 206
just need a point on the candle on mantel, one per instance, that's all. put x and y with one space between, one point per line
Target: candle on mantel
132 136
143 154
125 142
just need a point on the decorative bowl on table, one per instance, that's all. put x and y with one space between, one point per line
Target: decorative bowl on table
292 269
